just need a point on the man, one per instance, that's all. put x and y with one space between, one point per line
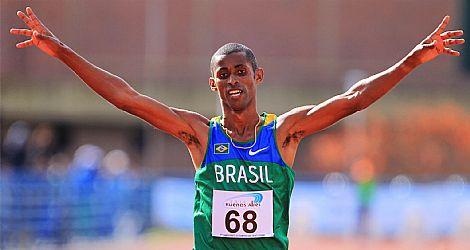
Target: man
242 159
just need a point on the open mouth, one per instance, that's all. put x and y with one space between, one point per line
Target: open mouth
235 92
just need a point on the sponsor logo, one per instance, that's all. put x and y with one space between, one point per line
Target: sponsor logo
251 153
221 148
245 200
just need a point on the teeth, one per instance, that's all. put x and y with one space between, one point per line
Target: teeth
234 92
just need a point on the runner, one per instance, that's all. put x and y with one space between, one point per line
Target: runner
243 160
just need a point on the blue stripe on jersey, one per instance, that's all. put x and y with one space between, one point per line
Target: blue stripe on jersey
265 149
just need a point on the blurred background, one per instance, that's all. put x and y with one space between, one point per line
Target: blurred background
76 172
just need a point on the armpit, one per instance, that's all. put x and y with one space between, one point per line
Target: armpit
294 137
188 139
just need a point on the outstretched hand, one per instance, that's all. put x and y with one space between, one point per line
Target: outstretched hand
39 34
438 43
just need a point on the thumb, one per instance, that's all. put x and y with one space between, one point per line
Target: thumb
430 45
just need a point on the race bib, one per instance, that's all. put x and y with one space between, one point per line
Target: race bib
242 214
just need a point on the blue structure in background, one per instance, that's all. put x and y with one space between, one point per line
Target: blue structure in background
38 208
173 203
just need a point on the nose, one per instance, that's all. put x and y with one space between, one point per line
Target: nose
232 80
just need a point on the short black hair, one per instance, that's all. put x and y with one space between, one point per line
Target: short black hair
230 48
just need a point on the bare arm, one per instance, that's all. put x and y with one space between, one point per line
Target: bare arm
187 126
310 119
119 93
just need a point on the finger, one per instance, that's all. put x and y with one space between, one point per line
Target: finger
24 32
448 42
33 16
25 19
29 11
453 33
451 52
442 26
24 44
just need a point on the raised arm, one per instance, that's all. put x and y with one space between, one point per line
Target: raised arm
310 119
187 126
303 121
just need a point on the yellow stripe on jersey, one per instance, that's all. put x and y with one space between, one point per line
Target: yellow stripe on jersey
269 118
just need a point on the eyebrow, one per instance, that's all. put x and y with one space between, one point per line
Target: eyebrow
225 68
221 68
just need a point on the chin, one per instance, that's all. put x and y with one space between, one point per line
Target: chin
237 107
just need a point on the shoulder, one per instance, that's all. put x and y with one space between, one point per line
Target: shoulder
285 122
190 116
286 140
288 136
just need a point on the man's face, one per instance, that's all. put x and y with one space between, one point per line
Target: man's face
235 81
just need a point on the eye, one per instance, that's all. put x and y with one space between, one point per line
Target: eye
223 75
241 72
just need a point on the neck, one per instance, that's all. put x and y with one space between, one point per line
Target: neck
241 125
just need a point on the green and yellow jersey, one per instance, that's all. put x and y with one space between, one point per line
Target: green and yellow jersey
242 192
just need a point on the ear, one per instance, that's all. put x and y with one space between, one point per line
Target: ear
259 75
212 84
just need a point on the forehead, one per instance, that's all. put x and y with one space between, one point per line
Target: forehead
231 60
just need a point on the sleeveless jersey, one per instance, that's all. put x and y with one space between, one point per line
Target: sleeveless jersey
242 194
